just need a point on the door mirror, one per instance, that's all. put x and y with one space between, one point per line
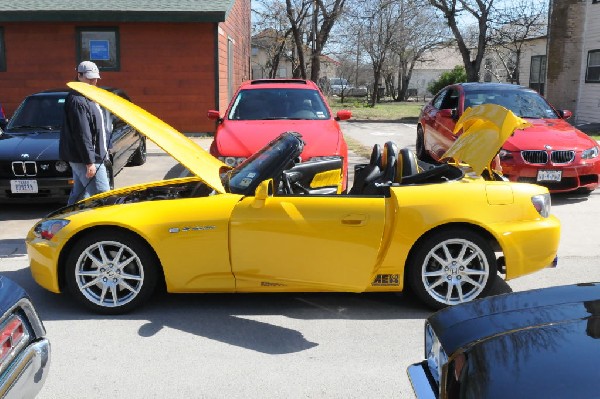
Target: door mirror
214 116
449 113
565 114
263 191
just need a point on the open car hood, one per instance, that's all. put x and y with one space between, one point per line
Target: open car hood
189 154
485 128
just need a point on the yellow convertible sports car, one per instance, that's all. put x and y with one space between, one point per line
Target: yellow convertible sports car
275 224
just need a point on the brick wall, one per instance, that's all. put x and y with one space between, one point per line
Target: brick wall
166 68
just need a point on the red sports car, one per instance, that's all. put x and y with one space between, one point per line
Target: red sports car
551 152
262 109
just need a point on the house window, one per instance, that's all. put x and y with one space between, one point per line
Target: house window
282 73
254 51
537 73
592 73
2 53
100 45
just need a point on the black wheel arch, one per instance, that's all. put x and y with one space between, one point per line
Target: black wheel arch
449 226
64 253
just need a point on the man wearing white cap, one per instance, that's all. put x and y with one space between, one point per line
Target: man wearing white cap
83 140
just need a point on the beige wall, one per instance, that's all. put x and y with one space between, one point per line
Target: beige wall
588 109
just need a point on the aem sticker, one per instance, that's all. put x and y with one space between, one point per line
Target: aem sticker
386 279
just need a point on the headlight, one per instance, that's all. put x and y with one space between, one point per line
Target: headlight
542 204
48 228
505 154
61 166
590 153
232 161
434 353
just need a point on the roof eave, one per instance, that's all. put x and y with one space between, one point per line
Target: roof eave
112 16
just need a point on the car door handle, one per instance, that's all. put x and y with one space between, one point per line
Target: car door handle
354 220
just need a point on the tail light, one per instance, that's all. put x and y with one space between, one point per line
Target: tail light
13 335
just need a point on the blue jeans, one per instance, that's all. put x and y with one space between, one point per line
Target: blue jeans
84 187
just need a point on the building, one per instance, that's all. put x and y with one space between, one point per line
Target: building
573 70
175 59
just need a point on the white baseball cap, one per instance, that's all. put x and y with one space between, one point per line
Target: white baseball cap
89 70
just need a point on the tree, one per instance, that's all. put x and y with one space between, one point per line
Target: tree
378 19
520 20
418 30
480 10
271 32
311 22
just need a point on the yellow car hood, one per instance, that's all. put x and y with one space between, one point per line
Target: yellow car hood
189 154
484 129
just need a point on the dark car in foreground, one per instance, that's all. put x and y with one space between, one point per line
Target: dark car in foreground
551 152
30 168
24 348
542 343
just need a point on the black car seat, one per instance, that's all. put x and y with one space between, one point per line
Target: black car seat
365 174
381 183
389 162
406 165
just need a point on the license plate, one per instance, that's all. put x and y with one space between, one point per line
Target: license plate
549 175
24 186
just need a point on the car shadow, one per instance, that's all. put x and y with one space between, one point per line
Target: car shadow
572 197
229 318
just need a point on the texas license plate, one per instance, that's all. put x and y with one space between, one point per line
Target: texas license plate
24 186
549 175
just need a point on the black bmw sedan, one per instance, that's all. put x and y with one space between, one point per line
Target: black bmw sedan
30 169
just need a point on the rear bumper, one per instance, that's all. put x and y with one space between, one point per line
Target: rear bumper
25 376
421 381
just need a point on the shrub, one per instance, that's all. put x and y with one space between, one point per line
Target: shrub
456 75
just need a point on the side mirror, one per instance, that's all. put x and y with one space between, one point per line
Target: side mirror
263 191
214 116
343 115
565 114
449 113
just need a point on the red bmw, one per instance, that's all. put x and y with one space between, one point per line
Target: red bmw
262 109
551 152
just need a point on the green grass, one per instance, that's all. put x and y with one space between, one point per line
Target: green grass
407 112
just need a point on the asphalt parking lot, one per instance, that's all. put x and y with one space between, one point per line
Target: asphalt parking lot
263 346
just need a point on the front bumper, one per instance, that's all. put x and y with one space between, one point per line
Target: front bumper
56 189
27 373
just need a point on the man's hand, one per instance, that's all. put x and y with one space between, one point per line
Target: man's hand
91 170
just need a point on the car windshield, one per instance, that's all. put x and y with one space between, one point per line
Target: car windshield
278 103
523 103
43 112
270 162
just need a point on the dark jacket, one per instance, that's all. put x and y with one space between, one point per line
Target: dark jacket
81 131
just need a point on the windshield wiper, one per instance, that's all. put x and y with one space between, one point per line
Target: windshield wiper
33 127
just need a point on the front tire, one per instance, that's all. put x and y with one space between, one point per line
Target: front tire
111 272
422 153
452 267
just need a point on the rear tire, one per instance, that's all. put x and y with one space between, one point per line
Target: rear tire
111 272
139 156
451 267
